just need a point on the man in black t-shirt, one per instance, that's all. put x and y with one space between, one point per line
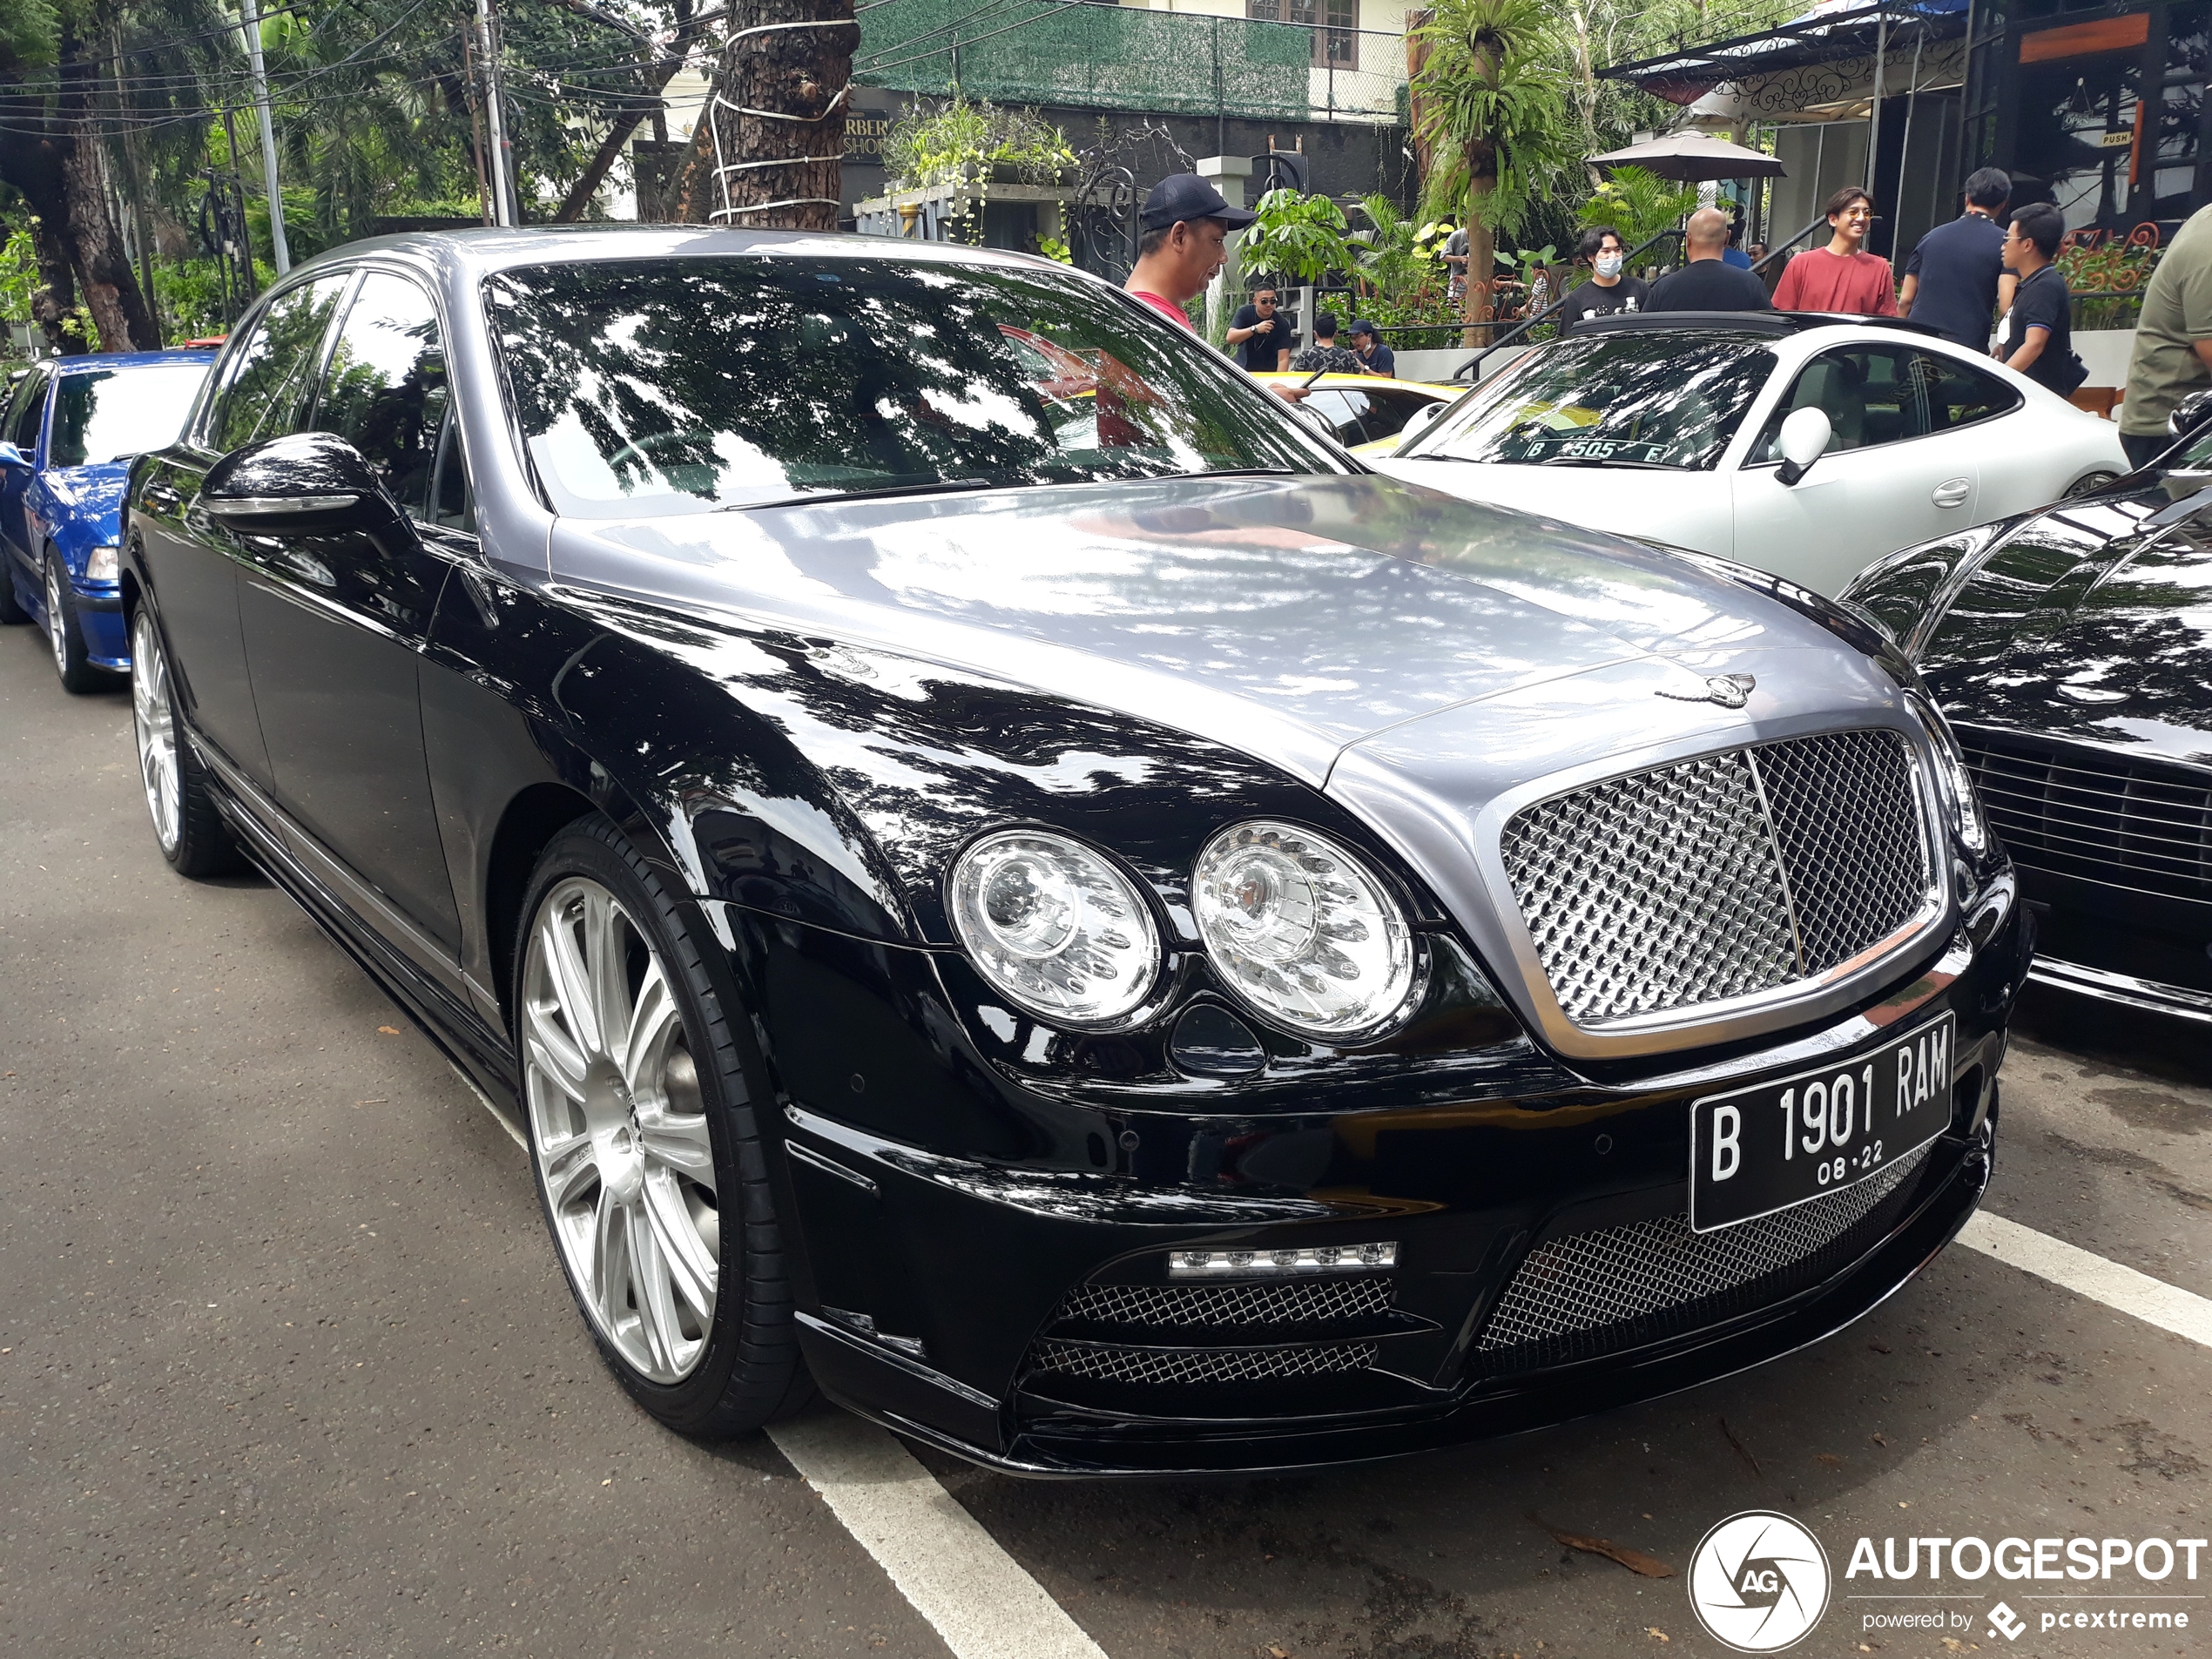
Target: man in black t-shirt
1257 338
1955 280
2037 334
1325 353
1706 282
1608 289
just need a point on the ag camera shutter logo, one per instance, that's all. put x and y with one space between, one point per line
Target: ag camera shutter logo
1759 1582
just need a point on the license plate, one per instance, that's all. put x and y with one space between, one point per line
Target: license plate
1753 1151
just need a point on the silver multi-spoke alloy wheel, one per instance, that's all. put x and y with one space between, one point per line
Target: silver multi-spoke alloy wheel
619 1128
155 723
57 621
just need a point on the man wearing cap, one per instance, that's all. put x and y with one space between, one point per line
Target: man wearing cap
1375 357
1184 227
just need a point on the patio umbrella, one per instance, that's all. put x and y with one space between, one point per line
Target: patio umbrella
1693 158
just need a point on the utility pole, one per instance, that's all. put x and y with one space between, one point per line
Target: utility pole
502 199
250 21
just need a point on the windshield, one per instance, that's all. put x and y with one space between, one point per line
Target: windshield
105 414
684 385
1658 400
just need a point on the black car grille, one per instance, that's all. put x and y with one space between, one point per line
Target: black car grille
1722 876
1193 1335
1588 1294
2083 812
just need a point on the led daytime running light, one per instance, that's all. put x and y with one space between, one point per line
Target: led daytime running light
1245 1263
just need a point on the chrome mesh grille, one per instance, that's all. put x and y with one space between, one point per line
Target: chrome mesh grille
1104 1363
1316 1302
1615 1275
1846 818
1722 876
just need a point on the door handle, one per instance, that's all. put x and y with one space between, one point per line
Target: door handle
1952 492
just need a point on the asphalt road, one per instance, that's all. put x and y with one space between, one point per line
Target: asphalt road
287 1364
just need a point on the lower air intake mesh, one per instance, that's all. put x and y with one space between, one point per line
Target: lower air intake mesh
1592 1292
1319 1302
1107 1363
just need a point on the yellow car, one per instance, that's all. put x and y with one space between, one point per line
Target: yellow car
1369 413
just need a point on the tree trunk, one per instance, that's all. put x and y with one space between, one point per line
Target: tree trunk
782 174
1482 267
30 161
55 300
111 288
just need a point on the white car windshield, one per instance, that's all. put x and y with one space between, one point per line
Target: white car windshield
1663 400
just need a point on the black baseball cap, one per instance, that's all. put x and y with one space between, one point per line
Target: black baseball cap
1360 326
1181 196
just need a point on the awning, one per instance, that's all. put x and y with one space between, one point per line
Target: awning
1837 29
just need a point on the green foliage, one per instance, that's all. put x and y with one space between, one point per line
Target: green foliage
1493 108
1639 204
1297 236
925 149
19 278
1393 257
1052 248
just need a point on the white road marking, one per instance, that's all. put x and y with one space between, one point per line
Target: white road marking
2152 1300
978 1596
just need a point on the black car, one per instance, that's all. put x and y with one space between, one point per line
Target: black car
2072 650
997 871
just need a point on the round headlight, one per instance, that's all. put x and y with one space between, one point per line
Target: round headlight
1053 925
1301 931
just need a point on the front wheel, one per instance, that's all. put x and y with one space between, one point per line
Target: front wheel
638 1101
2089 484
187 826
72 661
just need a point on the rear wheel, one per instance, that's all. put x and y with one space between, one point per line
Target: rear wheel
72 661
638 1094
187 826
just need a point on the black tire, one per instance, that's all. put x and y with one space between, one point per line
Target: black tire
751 1371
203 846
72 663
11 610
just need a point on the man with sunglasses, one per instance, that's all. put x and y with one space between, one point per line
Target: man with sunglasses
1258 338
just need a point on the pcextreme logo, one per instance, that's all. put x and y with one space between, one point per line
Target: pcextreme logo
1758 1581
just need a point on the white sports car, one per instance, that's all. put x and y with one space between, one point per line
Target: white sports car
1807 446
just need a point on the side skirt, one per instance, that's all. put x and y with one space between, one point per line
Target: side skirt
473 1049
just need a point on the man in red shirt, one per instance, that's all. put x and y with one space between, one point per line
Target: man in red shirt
1185 224
1840 277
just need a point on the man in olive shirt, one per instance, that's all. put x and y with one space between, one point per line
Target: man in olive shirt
2172 354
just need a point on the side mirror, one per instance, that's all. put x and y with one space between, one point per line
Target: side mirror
1803 440
2190 415
11 457
1422 419
305 482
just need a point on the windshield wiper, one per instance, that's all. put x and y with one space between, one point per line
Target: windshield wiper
1605 461
939 486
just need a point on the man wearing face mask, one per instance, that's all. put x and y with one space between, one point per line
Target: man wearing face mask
1610 288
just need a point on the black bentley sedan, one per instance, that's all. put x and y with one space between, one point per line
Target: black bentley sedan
2072 648
1000 875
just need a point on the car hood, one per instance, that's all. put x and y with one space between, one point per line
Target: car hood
91 496
1289 619
2118 657
1686 508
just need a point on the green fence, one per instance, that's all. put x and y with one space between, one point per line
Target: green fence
1106 56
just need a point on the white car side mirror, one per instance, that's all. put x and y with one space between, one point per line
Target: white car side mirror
1803 440
1422 416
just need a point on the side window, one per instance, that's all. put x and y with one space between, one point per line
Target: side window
264 379
453 499
1387 412
1958 393
28 413
1870 395
1342 410
385 390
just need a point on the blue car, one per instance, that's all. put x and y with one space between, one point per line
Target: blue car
72 428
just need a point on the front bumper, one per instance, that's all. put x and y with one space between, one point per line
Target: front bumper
941 1292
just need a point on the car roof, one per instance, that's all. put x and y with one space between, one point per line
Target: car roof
104 361
482 250
1772 324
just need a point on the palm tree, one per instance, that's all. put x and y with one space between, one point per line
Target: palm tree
1490 106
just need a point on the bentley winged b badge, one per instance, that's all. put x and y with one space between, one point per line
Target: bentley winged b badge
1729 690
